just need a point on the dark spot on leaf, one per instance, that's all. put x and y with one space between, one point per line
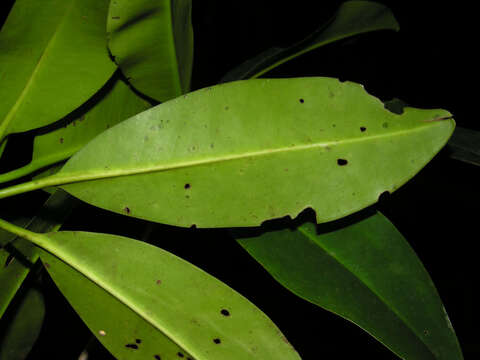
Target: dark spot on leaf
9 260
193 226
363 128
180 354
115 17
225 312
158 282
211 145
132 346
342 162
217 341
61 140
138 341
157 357
385 125
187 186
226 108
127 210
301 101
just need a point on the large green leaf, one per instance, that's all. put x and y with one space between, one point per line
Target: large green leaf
50 49
152 42
143 302
24 325
352 18
243 152
465 145
118 104
368 274
18 255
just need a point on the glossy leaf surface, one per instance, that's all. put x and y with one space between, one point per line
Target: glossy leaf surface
24 326
367 273
152 42
465 145
145 303
17 256
118 104
60 50
352 18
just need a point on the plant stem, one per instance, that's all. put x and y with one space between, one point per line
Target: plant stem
28 186
35 238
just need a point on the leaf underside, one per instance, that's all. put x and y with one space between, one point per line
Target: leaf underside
241 153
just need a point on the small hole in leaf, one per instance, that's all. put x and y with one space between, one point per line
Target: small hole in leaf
225 312
157 357
187 186
126 209
217 341
301 101
383 197
138 341
180 354
342 162
132 346
363 128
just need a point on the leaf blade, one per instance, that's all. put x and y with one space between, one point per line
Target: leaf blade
153 45
164 292
199 168
55 28
368 274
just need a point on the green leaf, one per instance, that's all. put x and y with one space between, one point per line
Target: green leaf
465 145
2 146
17 255
23 327
48 49
142 302
240 153
352 18
118 104
152 42
368 274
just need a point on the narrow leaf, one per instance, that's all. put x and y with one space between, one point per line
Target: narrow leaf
368 274
2 146
145 303
17 255
24 325
152 42
352 18
465 145
59 50
118 104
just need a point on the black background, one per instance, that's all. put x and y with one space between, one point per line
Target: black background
429 63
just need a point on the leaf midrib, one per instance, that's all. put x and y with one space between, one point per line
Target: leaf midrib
313 239
8 118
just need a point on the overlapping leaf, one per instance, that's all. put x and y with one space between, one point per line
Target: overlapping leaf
49 49
367 273
118 104
352 18
142 302
152 42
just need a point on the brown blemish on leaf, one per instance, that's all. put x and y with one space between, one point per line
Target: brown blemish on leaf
127 210
132 346
158 282
439 118
61 140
